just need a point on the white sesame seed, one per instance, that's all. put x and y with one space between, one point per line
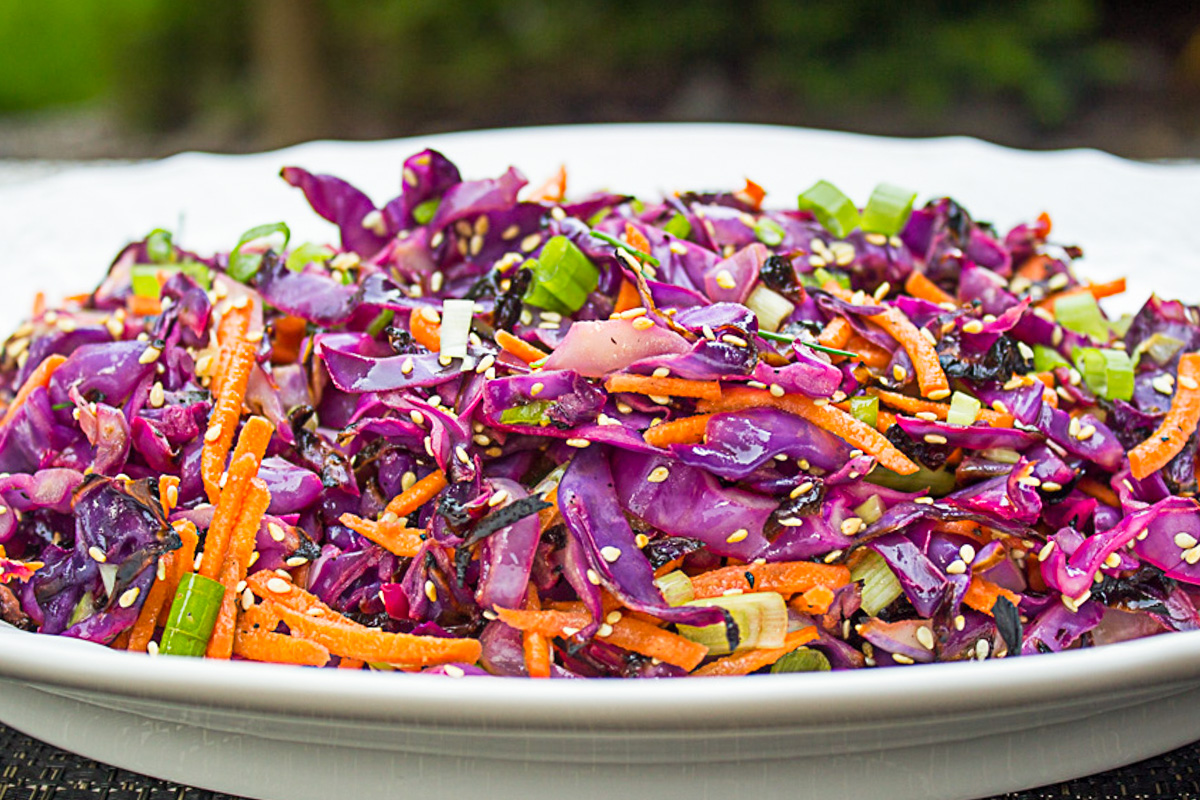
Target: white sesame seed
899 373
928 416
1029 480
1192 555
643 324
196 562
593 577
461 454
129 597
851 525
960 622
279 586
536 389
925 637
97 554
967 553
981 649
569 631
580 443
213 433
900 658
802 489
157 395
530 242
925 501
935 438
624 407
736 341
661 372
974 326
777 390
817 261
1184 540
610 553
956 567
486 363
877 239
1188 382
1112 560
732 592
658 475
445 361
661 399
1051 486
1163 384
708 332
739 535
725 279
939 394
1086 432
431 591
152 649
417 417
149 355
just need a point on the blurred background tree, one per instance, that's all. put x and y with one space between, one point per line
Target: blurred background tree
82 78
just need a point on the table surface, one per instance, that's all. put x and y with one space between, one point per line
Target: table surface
33 770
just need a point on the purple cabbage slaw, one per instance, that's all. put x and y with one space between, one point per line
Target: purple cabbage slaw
1036 513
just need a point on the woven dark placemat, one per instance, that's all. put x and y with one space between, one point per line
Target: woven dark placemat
33 770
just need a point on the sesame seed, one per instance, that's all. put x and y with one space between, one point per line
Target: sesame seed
213 433
1086 432
935 438
610 553
452 670
851 525
661 372
777 390
802 489
486 363
436 280
956 567
929 416
967 553
196 562
739 535
569 631
974 326
633 313
925 637
732 592
296 561
1051 486
511 232
481 440
900 658
960 622
1184 540
899 373
431 591
925 501
877 239
97 554
756 384
725 279
895 241
149 355
417 417
279 586
494 452
708 332
593 577
624 407
939 394
604 630
1192 555
461 454
160 570
1112 560
129 597
643 324
641 540
247 600
1188 382
580 443
881 291
736 341
152 649
1029 480
1057 282
821 401
658 475
981 649
1163 384
530 242
157 395
817 261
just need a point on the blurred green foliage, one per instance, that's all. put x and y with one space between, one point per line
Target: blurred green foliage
403 66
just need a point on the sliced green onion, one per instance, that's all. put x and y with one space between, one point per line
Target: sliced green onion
108 577
615 242
821 276
802 659
770 307
879 585
1004 455
783 337
1081 313
761 618
836 212
563 277
924 479
678 226
423 212
1107 373
529 414
865 409
243 264
870 509
193 614
964 409
769 232
144 278
380 322
306 254
455 330
888 209
676 588
637 206
1047 359
159 247
1160 347
83 609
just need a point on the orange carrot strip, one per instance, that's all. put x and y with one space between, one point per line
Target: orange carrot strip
143 629
1180 422
536 647
636 239
1096 290
549 517
140 306
919 286
627 298
276 648
369 644
665 387
816 600
748 661
831 418
222 423
553 190
753 193
519 347
39 304
417 495
393 537
350 663
237 562
647 639
686 430
234 324
39 378
168 488
426 328
836 333
547 623
1035 268
884 420
921 351
247 458
287 335
917 405
869 353
982 594
785 577
1093 488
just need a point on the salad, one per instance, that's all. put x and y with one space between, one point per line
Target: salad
494 431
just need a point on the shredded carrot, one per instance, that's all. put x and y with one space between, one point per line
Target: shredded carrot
39 304
836 333
38 379
823 415
287 335
662 387
235 566
548 623
426 328
553 190
918 285
168 488
1093 488
247 457
982 594
391 536
628 297
1035 268
350 663
685 430
921 351
785 577
747 661
917 405
753 193
884 420
143 629
549 517
638 636
816 600
537 647
1044 225
1096 290
417 495
519 347
222 423
276 648
140 306
636 238
234 324
1179 424
868 352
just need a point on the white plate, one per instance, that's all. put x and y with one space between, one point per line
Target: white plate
939 731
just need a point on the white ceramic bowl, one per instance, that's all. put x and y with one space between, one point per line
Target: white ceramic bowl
935 731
